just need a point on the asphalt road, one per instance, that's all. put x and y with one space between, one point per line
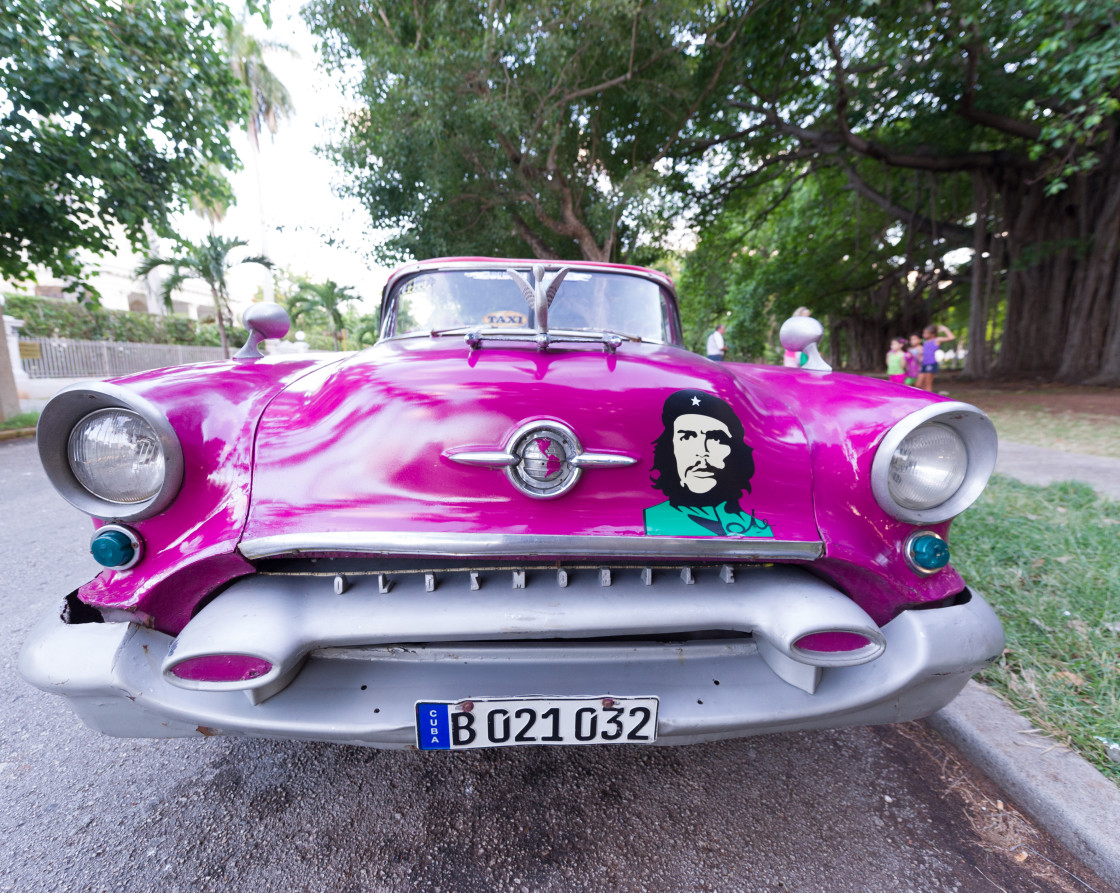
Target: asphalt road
884 809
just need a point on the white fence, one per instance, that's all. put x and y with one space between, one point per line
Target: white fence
63 358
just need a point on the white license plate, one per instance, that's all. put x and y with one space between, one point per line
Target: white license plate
492 722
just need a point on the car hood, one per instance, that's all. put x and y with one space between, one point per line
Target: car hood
365 446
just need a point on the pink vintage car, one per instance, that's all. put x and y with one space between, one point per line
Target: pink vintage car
526 516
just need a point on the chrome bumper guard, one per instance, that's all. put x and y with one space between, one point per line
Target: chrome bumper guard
349 666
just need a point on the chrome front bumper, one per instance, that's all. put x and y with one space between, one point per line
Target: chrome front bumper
344 683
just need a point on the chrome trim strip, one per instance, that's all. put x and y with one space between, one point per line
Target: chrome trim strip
515 545
485 458
602 460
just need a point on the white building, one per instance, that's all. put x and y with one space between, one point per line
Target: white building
114 278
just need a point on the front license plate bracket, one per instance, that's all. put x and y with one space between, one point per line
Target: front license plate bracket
508 722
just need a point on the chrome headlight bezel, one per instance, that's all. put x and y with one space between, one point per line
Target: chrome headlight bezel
69 407
978 434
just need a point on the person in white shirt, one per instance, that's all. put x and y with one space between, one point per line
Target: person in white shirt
716 347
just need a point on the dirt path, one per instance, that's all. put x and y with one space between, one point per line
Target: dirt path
1020 395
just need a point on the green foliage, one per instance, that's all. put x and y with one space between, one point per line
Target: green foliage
1047 561
804 239
525 128
321 300
1078 48
113 116
269 100
582 129
366 329
908 106
208 260
48 319
22 420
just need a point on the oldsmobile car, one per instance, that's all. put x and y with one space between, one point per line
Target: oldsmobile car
526 516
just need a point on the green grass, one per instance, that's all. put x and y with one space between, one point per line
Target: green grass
22 420
1076 432
1048 561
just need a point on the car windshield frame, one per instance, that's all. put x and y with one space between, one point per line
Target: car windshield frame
604 302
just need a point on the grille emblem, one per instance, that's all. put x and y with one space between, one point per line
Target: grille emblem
542 459
543 468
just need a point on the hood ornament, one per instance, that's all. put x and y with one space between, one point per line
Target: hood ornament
542 459
539 297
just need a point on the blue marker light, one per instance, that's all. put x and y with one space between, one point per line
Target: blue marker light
112 548
928 552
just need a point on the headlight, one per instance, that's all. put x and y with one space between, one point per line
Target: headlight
117 456
934 463
110 452
927 467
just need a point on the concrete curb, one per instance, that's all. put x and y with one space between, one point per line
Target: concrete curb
1070 799
15 433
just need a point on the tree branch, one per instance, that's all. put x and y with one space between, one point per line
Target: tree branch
712 81
829 142
536 243
952 232
969 112
385 21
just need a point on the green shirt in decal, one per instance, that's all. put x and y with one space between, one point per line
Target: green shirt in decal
666 520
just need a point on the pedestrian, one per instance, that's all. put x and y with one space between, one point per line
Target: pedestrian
913 363
716 346
896 361
795 358
931 341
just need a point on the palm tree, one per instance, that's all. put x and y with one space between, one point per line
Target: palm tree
269 102
212 208
368 328
325 297
208 261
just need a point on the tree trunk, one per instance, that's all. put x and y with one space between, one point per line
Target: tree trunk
977 362
1094 293
221 323
1063 279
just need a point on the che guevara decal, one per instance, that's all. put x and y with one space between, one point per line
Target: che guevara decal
702 464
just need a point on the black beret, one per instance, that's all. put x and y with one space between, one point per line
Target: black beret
688 401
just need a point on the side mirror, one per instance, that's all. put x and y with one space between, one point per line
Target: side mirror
263 321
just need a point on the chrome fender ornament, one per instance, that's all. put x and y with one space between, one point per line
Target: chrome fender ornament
542 459
263 320
802 334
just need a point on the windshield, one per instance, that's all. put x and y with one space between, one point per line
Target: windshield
593 301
